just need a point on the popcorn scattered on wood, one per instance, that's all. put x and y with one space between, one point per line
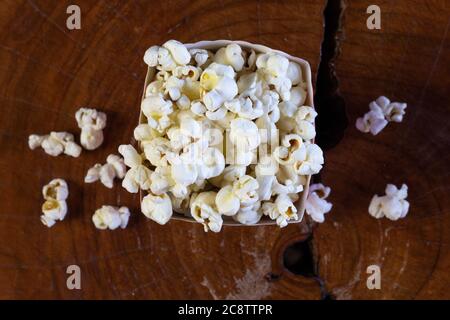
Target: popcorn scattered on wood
114 168
393 205
316 205
109 217
91 122
54 208
381 112
55 144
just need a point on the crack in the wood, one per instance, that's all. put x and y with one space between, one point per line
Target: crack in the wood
330 105
332 119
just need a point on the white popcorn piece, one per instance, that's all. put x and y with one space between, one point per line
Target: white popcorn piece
138 176
265 187
157 111
212 164
316 205
305 113
292 149
109 217
144 133
90 138
204 210
282 210
91 122
151 56
198 108
55 144
88 117
273 64
230 55
393 205
154 88
396 111
218 84
114 168
53 210
55 207
246 189
35 141
93 174
244 132
227 202
118 164
275 68
200 56
161 180
297 98
157 207
294 73
178 51
381 111
373 122
156 151
57 189
313 161
250 215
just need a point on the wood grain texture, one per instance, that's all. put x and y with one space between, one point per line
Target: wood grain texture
407 60
47 73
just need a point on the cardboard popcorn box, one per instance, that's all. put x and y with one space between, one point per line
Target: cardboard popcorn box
306 74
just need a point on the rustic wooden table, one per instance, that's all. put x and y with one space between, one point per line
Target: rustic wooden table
47 72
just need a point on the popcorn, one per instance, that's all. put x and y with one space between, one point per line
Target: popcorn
200 56
93 174
282 210
56 189
381 111
218 84
55 207
53 210
167 57
294 73
275 68
204 210
297 98
55 144
210 136
313 161
138 176
372 122
157 111
91 122
109 217
393 205
230 55
227 201
246 189
316 204
156 151
114 168
212 164
244 133
35 141
178 51
157 207
250 215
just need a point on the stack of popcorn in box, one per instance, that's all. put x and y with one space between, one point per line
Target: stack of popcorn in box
223 134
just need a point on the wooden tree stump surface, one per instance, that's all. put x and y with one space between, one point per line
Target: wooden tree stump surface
48 72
